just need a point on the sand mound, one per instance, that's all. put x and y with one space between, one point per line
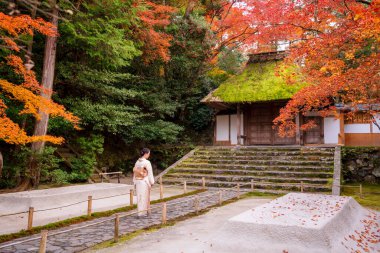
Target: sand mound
299 223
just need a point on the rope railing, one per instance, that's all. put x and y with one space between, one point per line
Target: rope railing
31 210
196 199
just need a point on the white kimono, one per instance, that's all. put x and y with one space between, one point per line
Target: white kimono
143 187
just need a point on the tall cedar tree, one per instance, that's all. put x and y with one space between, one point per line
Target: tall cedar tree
28 91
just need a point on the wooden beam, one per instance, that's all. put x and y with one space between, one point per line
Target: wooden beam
238 124
298 130
341 137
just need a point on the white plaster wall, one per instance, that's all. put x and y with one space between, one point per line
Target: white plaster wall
357 128
233 130
222 128
374 127
331 130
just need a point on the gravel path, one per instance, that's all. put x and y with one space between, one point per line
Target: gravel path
85 237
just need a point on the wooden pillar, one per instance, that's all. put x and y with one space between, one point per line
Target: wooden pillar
298 129
238 124
341 137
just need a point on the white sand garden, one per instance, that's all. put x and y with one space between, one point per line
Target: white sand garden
295 223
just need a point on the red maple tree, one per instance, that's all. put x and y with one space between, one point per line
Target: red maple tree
28 92
156 42
333 43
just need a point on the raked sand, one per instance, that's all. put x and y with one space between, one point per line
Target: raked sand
294 223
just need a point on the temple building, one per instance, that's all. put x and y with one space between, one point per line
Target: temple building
247 104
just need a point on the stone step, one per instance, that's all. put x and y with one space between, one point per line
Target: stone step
256 162
244 190
266 151
266 148
269 153
254 173
244 178
263 157
257 167
259 185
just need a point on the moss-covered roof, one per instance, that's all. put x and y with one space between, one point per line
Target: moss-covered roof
258 82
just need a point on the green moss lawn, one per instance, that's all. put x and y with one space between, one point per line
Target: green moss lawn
371 195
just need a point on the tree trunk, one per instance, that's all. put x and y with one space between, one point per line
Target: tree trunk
47 84
1 164
189 8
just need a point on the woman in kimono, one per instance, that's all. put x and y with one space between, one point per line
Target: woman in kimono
143 182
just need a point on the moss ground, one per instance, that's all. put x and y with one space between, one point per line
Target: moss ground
371 195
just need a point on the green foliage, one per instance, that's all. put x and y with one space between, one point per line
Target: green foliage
258 82
17 163
102 25
123 101
231 61
59 177
84 166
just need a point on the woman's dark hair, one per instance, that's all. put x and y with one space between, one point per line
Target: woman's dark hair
144 151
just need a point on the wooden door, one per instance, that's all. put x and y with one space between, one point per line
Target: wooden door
313 135
259 125
278 140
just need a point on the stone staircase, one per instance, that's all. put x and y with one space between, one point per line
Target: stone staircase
272 169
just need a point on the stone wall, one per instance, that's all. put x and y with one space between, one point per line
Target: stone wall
361 164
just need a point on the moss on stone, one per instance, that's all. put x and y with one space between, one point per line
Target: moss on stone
258 82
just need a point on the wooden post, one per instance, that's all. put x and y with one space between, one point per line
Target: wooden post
89 206
298 129
184 187
252 185
116 234
196 204
101 177
163 213
30 218
118 178
341 136
238 124
220 198
43 241
161 188
361 191
161 191
301 186
238 190
203 183
131 197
